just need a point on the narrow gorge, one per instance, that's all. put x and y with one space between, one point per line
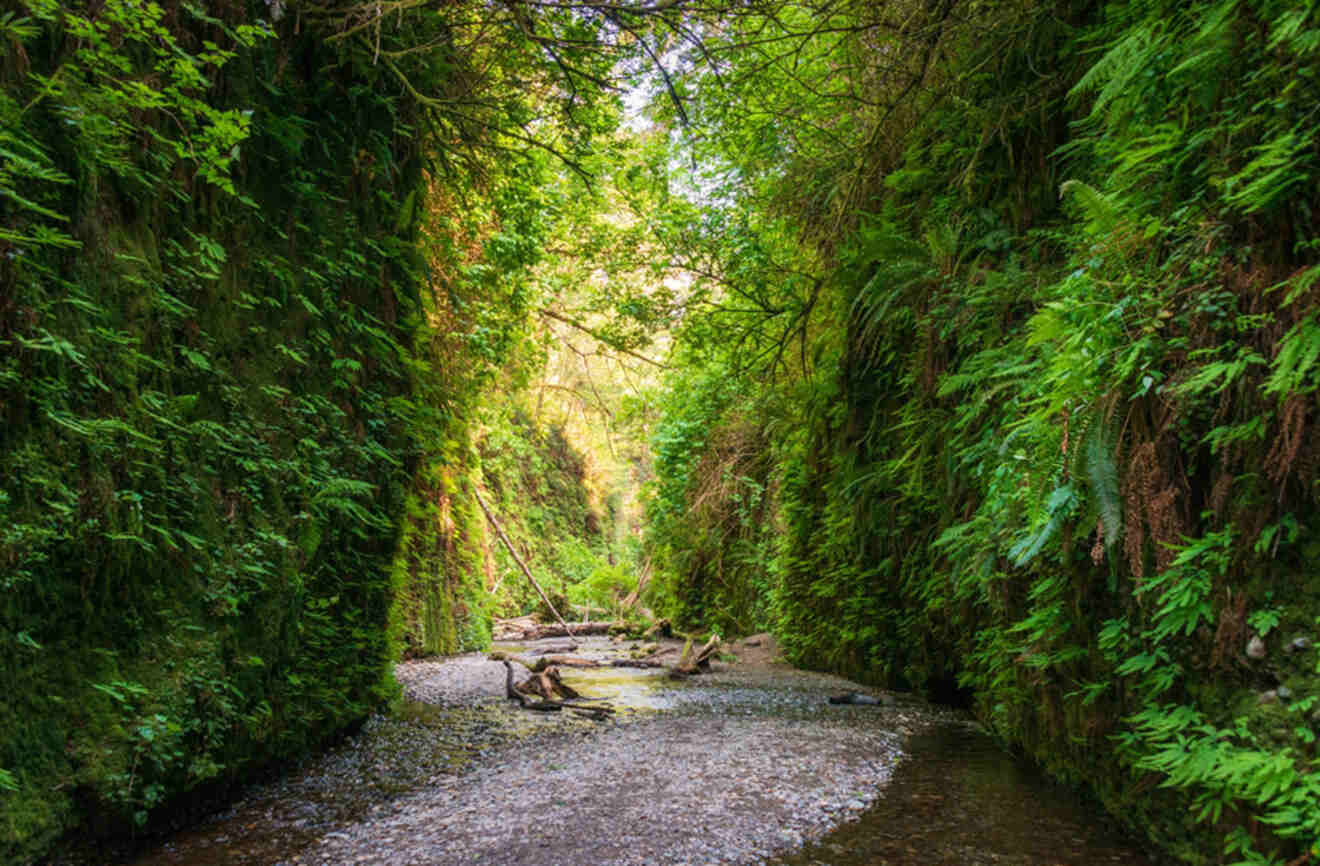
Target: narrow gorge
962 356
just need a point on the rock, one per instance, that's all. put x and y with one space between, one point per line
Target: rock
1283 692
1298 644
1268 697
1255 648
861 699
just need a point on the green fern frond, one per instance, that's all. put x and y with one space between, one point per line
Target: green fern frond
1295 363
1102 473
1101 209
1113 73
1058 507
1275 169
1298 284
895 263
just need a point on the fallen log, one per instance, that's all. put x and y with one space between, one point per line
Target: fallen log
572 661
577 662
546 661
553 650
512 693
517 631
548 685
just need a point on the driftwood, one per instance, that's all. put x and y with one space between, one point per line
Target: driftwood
513 693
557 649
545 662
571 661
545 691
548 685
690 663
517 630
544 678
532 666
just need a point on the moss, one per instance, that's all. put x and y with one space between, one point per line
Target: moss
542 496
199 504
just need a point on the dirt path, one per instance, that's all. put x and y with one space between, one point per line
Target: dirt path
734 767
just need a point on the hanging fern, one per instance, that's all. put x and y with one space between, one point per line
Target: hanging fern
1295 364
892 264
1100 208
1102 473
1059 507
1110 77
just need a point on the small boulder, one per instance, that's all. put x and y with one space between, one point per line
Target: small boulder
1255 648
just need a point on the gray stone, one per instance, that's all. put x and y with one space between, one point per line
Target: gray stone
1283 692
1255 648
1301 643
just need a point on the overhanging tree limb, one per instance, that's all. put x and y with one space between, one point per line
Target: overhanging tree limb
551 314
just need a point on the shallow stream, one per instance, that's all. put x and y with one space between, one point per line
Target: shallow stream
743 766
958 799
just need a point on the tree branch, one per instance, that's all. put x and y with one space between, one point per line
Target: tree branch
551 314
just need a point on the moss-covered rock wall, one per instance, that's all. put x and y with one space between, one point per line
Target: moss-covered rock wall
1057 457
210 410
538 487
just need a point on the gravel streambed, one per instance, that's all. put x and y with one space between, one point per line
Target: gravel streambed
734 767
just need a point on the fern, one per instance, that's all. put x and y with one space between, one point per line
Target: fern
1218 375
1272 172
1298 284
1058 507
1101 209
1102 473
1295 363
1112 75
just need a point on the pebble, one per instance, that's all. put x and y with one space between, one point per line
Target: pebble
731 767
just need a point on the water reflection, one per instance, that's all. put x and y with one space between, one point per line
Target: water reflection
959 800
